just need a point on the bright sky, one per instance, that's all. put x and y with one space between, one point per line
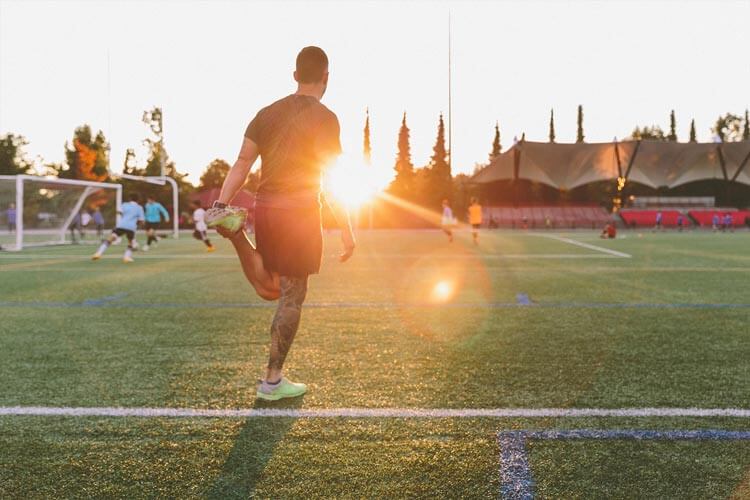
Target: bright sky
212 65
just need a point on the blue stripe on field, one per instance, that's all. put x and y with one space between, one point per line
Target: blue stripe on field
522 299
103 300
516 478
110 302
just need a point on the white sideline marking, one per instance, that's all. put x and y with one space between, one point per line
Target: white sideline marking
585 245
377 412
141 256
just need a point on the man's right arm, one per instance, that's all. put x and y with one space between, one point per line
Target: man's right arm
238 173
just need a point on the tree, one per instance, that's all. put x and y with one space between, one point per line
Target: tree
580 136
692 131
654 133
551 125
746 130
439 179
87 157
214 175
366 147
403 184
158 161
728 128
672 137
496 147
12 156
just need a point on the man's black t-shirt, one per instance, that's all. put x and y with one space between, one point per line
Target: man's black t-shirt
297 137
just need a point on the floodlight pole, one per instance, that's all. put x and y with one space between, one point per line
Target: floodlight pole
450 108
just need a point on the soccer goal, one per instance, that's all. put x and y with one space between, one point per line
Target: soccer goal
36 211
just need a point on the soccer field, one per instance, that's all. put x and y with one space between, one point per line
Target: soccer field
515 344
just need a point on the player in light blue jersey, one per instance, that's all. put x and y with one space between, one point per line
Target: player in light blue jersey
131 214
155 212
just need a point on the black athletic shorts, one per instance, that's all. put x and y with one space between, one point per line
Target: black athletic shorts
475 226
151 225
289 239
130 235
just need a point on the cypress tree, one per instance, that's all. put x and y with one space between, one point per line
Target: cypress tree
580 135
403 184
672 137
496 147
551 125
746 130
692 131
440 180
367 149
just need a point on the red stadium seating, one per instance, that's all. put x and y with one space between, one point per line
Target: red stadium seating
704 218
647 218
537 216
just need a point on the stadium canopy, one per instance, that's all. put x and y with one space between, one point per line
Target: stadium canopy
653 163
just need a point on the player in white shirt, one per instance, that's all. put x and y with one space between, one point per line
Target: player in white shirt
199 218
448 221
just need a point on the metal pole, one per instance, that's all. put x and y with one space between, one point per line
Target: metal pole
19 212
118 204
176 207
450 103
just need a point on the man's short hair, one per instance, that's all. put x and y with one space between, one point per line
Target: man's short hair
312 64
134 197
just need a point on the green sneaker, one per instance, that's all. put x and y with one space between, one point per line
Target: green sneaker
230 218
284 389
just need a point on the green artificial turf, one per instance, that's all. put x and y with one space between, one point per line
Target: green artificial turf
173 330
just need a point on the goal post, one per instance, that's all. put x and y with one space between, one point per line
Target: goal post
37 211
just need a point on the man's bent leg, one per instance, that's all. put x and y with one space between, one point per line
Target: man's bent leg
266 284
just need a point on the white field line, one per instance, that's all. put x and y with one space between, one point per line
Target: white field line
528 256
585 245
376 412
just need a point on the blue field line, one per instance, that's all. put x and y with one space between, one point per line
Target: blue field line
111 302
103 300
522 299
516 477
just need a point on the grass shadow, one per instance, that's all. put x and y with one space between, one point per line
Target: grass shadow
252 450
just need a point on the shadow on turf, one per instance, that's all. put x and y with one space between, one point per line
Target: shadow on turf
252 450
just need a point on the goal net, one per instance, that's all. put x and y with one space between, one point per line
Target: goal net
36 211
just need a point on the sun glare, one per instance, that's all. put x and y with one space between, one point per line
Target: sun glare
442 291
352 182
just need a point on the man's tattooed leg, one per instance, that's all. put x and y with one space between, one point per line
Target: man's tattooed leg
286 320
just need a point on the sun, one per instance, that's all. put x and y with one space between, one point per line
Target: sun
442 291
352 182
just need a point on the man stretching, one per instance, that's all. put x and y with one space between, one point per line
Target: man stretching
296 137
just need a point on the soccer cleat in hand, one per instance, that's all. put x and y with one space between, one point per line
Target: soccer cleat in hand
230 218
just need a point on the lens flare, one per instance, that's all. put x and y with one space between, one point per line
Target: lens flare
442 291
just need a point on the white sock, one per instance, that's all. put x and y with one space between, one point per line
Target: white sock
103 247
128 253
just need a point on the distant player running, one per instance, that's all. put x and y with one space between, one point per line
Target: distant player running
155 211
447 221
296 137
131 214
475 219
199 219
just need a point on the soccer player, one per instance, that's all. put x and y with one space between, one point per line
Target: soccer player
475 219
10 214
98 222
199 218
658 221
447 221
728 223
296 137
155 211
130 215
